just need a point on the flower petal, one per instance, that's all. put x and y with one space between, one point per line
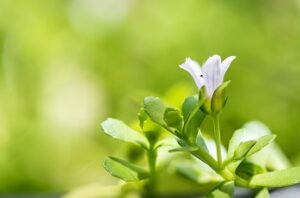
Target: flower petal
225 65
212 73
194 69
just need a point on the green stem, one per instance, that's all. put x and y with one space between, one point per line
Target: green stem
210 161
226 174
223 172
206 158
217 135
152 155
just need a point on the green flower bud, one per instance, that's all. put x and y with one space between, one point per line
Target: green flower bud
173 118
219 99
215 104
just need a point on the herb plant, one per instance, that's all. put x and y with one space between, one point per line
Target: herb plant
252 160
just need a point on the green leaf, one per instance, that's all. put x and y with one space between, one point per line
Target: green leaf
184 149
279 178
237 137
201 142
173 118
124 170
193 117
248 148
243 149
224 190
119 130
263 193
261 143
246 170
142 117
188 148
188 106
155 109
270 157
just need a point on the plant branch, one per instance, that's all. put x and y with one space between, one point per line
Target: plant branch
217 134
152 155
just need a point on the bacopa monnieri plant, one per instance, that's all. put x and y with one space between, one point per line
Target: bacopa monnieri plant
252 160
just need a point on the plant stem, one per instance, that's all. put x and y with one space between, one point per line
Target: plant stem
217 134
206 158
226 174
152 155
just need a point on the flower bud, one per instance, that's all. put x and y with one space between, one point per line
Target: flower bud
206 105
218 100
215 104
173 118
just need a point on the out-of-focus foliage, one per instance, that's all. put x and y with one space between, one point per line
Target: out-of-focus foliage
66 65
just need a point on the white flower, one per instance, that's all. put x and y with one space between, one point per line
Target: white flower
211 74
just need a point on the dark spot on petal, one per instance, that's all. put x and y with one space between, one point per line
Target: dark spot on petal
201 75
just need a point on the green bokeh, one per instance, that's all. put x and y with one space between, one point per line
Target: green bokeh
67 65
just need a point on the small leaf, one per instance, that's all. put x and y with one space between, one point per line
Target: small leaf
173 118
248 148
263 193
193 117
224 190
155 109
243 149
119 130
279 178
271 157
201 142
184 149
246 170
124 170
237 137
142 117
261 143
188 105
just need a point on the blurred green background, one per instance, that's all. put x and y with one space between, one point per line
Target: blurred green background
66 65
